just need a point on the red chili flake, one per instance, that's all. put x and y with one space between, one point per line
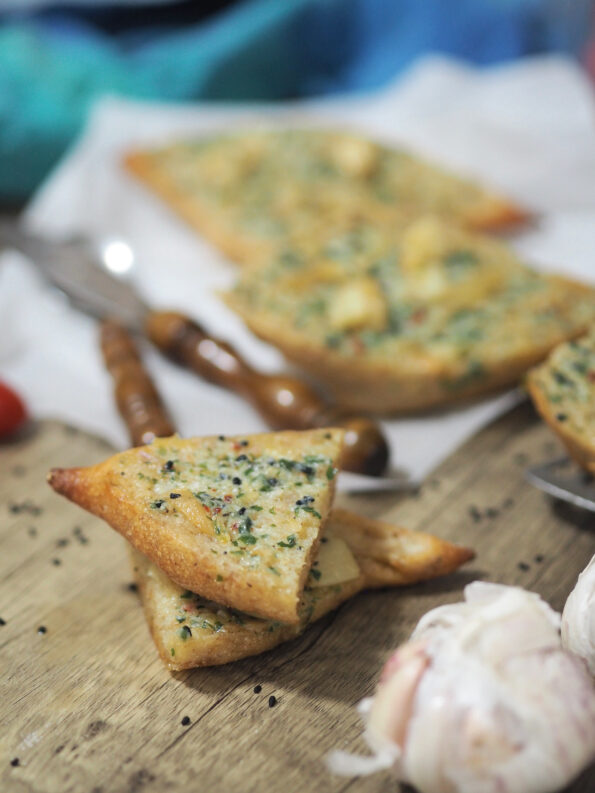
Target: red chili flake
217 510
187 607
418 315
591 376
227 498
207 509
237 446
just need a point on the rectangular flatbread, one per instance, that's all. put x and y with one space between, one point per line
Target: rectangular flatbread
251 192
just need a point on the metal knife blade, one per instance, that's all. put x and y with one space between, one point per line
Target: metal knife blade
73 266
564 479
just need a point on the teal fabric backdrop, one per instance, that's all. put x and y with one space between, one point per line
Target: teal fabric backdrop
53 66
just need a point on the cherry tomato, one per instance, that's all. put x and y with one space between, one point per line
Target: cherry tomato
12 411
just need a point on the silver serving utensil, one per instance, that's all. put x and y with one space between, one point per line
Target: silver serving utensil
564 479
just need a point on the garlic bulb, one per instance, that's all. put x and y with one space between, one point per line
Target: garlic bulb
578 617
482 699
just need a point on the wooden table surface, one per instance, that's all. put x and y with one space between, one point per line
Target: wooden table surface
87 707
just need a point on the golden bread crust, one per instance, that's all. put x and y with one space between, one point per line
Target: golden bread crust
389 555
360 382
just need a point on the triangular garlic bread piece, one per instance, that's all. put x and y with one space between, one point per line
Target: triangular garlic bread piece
236 519
354 553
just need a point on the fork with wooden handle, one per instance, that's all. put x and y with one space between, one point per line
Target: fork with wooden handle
146 417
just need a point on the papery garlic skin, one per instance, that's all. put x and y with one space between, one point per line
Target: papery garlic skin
483 699
578 617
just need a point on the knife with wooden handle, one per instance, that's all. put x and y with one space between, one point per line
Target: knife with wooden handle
284 402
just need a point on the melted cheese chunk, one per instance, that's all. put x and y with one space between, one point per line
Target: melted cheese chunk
358 304
335 564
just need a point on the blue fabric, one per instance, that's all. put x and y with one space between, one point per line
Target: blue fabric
53 66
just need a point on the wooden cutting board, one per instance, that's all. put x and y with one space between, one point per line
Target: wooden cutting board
87 707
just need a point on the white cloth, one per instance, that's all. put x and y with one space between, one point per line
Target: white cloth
526 128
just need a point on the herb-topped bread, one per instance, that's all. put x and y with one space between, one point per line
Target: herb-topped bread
236 519
250 191
355 552
190 630
428 316
563 390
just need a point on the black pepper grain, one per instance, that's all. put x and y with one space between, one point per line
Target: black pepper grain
272 701
56 562
257 689
15 762
175 495
538 558
2 622
474 513
523 566
132 587
241 457
169 465
42 629
185 721
561 416
222 437
236 480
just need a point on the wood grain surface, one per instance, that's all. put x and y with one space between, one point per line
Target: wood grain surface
87 707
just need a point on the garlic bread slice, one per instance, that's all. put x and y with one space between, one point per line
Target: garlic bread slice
433 315
236 519
251 191
563 391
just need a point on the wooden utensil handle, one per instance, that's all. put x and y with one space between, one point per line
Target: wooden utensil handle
284 402
137 398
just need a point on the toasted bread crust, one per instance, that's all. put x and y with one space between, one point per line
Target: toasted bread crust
389 555
387 387
187 550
